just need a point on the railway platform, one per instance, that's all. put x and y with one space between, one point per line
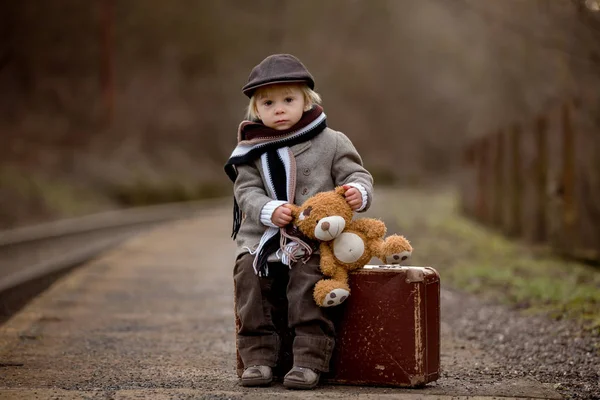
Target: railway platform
153 318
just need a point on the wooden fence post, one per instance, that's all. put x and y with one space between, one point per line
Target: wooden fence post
498 186
482 191
569 216
541 180
515 222
468 181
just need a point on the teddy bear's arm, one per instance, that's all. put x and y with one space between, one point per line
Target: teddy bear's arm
328 265
372 228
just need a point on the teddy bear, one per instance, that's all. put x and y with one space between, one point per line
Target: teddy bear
345 244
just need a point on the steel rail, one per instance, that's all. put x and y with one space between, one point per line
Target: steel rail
32 252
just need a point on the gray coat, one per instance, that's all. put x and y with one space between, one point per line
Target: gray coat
322 163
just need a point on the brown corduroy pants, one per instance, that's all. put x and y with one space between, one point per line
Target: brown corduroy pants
257 340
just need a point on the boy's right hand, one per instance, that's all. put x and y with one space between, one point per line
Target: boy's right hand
282 215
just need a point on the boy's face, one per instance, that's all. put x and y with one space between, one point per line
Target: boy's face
280 106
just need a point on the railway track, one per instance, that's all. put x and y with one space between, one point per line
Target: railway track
32 258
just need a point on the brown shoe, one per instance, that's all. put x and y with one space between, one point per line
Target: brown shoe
301 378
257 375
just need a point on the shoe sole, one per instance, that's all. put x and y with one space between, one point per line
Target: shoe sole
257 382
300 385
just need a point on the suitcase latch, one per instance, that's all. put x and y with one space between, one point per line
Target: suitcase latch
414 275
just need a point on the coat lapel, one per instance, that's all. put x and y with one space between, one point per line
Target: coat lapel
300 148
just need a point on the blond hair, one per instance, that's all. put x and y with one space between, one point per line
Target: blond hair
310 98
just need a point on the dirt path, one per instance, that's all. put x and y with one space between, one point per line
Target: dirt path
154 319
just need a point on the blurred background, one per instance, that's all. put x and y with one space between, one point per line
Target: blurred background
116 103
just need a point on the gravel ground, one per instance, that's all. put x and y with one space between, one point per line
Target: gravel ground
549 351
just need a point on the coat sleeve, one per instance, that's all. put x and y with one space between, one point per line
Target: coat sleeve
348 167
249 191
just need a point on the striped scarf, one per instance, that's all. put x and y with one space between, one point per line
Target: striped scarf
279 168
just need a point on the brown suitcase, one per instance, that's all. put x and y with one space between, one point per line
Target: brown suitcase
388 331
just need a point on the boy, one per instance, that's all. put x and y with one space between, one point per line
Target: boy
285 154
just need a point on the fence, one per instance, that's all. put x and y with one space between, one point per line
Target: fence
540 180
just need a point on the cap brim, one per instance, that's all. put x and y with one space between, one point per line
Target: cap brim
250 89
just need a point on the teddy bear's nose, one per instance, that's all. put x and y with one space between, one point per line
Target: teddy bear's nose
325 225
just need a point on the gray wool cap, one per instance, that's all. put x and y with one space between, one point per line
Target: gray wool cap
277 68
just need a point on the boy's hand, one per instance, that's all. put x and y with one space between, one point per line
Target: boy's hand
353 197
282 216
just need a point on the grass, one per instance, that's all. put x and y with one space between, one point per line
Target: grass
143 192
478 260
31 197
37 193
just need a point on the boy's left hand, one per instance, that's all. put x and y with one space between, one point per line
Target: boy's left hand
353 197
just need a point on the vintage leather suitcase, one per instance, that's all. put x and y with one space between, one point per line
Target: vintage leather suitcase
388 331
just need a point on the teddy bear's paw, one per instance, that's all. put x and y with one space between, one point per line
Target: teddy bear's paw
335 297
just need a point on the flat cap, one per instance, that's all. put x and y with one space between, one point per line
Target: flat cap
277 68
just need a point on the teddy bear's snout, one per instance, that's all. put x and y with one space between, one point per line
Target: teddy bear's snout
329 228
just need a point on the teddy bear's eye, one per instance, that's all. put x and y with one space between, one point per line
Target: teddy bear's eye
307 211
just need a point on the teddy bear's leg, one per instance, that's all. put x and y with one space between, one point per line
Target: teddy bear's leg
329 293
332 292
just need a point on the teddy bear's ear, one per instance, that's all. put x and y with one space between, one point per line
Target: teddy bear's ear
340 190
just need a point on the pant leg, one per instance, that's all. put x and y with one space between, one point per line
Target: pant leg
313 328
257 341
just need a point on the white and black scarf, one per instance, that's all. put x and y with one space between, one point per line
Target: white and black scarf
279 167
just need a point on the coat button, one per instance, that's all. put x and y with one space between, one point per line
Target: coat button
304 191
306 171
